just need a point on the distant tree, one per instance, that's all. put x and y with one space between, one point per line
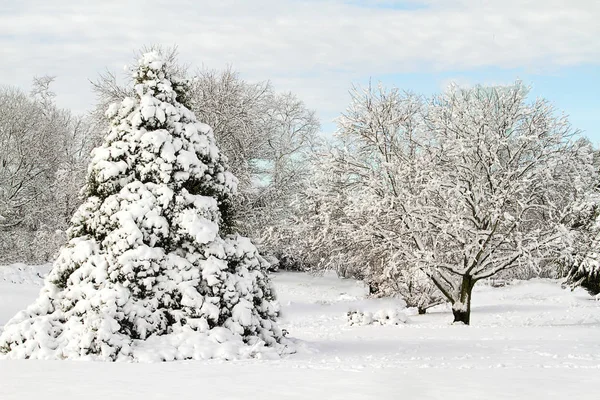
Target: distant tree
43 154
343 219
266 136
28 156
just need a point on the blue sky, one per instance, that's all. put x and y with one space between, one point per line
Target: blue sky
574 90
319 48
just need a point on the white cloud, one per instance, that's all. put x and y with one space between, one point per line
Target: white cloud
314 48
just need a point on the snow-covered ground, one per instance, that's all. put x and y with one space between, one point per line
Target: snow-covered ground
528 340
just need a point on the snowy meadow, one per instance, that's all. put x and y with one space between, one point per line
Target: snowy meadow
437 247
527 340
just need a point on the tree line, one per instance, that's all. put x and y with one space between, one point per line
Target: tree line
419 197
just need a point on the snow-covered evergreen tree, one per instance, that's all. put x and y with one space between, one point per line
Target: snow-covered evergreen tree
146 274
266 137
580 255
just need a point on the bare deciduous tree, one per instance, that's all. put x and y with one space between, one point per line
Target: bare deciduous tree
462 187
43 153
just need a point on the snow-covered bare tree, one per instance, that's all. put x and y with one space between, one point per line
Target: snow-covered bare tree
79 139
267 136
238 112
147 274
343 219
28 158
496 176
463 187
44 153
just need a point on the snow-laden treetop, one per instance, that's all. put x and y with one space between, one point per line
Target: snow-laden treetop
157 138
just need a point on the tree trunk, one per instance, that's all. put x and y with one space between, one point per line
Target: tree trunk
461 316
421 310
462 307
373 288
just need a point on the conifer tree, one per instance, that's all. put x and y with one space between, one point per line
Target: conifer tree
149 272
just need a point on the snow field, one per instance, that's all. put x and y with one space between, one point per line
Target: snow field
528 340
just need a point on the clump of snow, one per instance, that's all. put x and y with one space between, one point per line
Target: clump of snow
381 317
146 274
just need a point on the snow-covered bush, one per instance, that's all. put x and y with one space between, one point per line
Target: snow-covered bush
146 274
381 317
